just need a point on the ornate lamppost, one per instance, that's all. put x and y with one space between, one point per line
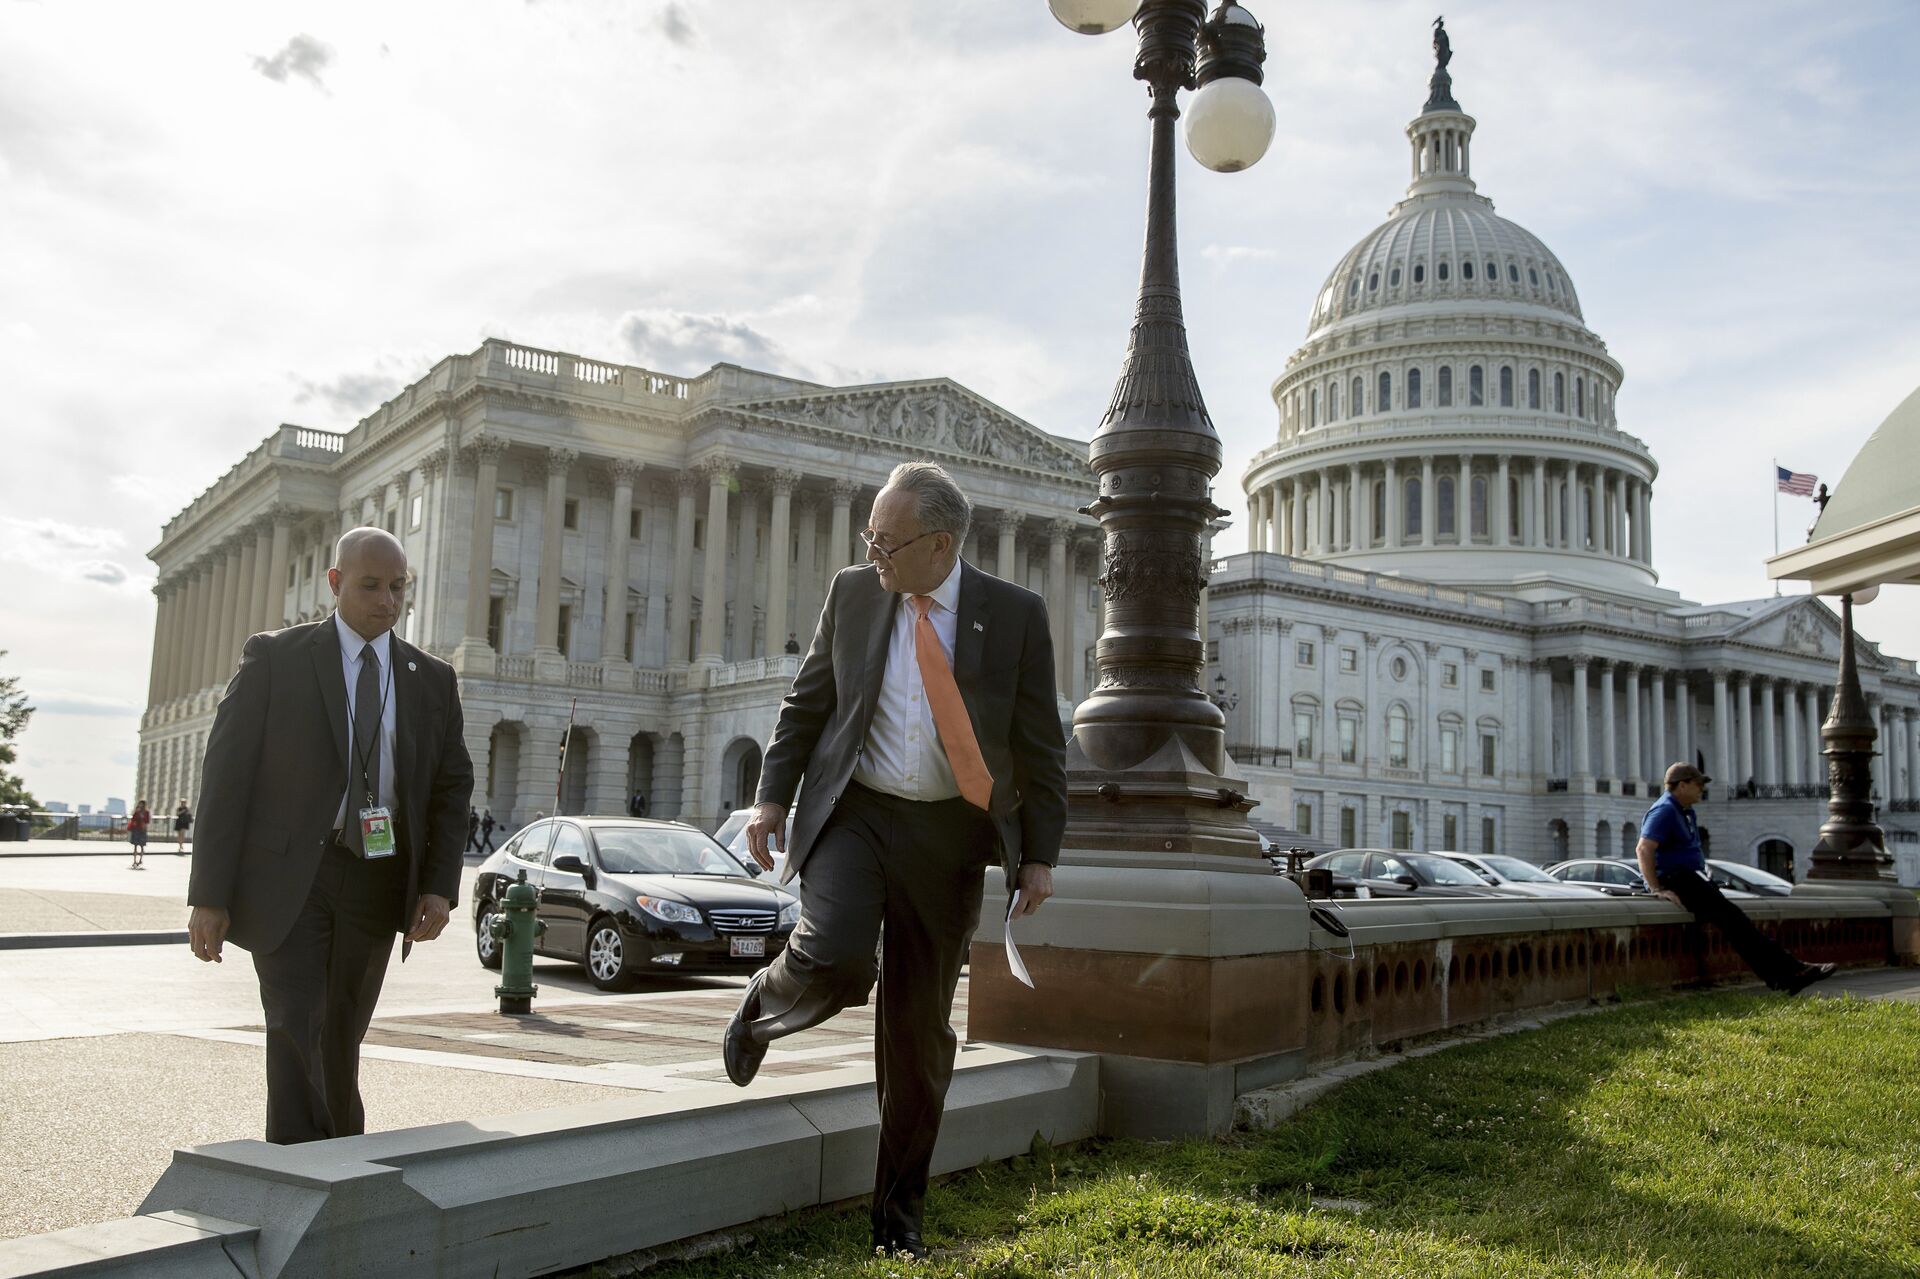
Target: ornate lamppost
1148 771
1851 843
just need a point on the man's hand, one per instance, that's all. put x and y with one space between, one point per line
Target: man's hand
768 821
430 915
206 930
1669 895
1035 883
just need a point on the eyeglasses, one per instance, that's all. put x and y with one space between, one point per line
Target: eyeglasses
872 539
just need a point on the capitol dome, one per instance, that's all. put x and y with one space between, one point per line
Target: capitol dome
1450 416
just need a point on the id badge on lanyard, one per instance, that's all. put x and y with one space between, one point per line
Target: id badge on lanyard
376 832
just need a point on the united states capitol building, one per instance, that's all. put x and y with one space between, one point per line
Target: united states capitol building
1448 631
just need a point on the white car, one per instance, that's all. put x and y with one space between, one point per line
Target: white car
733 833
1513 877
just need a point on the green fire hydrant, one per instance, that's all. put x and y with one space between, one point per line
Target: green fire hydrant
514 928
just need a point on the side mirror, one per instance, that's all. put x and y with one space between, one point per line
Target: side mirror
1407 880
568 864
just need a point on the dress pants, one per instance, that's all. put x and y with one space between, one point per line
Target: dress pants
908 874
1769 961
318 989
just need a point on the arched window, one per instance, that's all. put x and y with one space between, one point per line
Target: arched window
1477 510
1411 509
1466 269
1373 281
1493 271
1393 278
1533 388
1533 277
1420 273
1476 386
1378 525
1313 409
1559 393
1443 496
1358 404
1353 287
1446 386
1513 273
1385 400
1333 401
1506 387
1443 271
1580 396
1397 737
1413 388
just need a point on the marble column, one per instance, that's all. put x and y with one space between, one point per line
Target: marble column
162 619
553 533
1793 758
1769 773
1322 520
1724 761
485 451
1498 516
1394 504
1007 553
240 625
1743 724
1582 746
1297 544
1634 769
1810 710
779 562
1660 757
713 594
745 570
1536 530
193 631
178 618
218 597
840 527
1257 520
1683 720
1879 762
261 588
621 473
807 570
1542 762
1057 596
1609 719
1429 509
680 601
1463 503
1359 511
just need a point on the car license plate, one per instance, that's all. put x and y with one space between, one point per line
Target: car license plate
748 947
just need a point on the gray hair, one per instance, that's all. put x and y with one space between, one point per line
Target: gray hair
941 504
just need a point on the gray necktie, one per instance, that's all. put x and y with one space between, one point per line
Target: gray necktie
366 746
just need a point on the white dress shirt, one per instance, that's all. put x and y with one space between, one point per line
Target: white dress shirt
903 754
350 645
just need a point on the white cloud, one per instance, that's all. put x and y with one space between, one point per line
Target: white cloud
302 56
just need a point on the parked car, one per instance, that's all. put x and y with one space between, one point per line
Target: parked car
1514 877
1747 879
1391 873
1614 876
625 896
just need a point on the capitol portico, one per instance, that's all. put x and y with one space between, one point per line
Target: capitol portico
584 532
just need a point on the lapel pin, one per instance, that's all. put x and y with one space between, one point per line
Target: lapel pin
980 626
412 667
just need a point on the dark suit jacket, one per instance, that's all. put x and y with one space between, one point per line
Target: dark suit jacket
276 768
1003 664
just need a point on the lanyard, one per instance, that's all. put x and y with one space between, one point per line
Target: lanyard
380 722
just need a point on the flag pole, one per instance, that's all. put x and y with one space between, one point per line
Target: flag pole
566 739
1776 521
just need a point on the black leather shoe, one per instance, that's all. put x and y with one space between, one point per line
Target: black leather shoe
1808 975
739 1050
906 1245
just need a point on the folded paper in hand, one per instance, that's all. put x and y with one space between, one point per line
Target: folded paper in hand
1014 961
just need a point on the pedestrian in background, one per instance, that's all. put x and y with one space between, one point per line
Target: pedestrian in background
486 830
637 806
137 832
473 829
182 823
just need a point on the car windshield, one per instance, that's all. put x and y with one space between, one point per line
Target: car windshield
1754 875
1442 870
658 850
1515 869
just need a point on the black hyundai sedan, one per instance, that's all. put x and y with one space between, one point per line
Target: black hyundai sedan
625 896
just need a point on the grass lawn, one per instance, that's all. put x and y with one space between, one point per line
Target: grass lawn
1717 1134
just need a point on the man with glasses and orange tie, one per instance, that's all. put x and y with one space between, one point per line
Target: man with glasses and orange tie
925 725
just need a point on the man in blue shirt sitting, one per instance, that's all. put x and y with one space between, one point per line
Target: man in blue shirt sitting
1671 858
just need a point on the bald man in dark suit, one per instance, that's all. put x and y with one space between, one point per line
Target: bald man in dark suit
333 813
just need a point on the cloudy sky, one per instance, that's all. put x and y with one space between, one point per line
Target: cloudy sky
218 217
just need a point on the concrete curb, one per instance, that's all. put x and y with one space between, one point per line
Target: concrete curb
536 1193
103 937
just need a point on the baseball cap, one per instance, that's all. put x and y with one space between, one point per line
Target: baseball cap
1677 773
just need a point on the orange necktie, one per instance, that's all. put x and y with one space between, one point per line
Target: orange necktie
949 712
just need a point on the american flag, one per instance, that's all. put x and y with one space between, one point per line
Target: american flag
1798 483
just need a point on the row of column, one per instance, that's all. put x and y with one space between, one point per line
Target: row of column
791 511
1535 503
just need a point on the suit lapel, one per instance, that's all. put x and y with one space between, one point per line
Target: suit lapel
333 684
879 631
970 637
407 711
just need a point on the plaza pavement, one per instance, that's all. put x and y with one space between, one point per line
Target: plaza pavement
112 1056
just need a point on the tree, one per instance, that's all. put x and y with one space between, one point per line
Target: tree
14 714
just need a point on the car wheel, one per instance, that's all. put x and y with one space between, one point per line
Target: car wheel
607 956
485 945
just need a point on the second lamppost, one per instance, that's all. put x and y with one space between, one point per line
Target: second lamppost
1148 768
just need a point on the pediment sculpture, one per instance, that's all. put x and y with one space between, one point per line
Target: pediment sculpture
933 419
